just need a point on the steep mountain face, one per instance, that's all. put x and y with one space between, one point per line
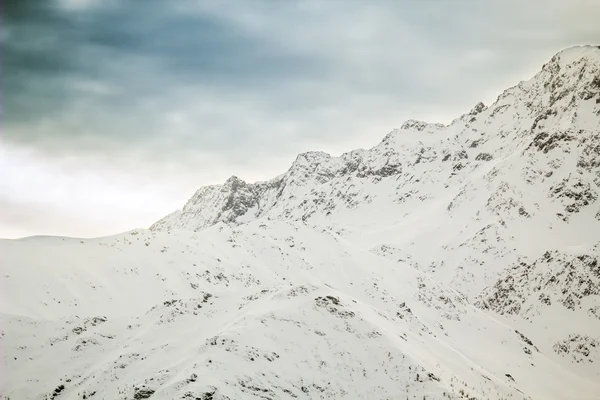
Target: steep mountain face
449 261
482 190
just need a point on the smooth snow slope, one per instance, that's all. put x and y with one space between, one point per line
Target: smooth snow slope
458 261
260 309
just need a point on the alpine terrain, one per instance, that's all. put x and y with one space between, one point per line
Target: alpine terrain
456 261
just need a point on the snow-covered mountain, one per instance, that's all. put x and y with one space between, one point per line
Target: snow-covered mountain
449 261
480 189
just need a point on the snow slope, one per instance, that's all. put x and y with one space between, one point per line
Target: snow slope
442 263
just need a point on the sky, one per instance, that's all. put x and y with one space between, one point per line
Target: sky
113 113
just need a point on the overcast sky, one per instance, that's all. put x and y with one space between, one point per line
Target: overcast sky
115 112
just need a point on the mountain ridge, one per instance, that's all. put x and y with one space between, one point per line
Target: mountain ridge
309 162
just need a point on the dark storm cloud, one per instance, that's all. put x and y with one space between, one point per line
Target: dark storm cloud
116 62
35 56
102 76
242 79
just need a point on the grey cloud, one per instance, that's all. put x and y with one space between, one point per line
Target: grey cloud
176 80
47 48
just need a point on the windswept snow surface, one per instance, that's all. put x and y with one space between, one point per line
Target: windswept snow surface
458 261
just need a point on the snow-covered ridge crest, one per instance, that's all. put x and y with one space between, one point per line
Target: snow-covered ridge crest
413 124
563 97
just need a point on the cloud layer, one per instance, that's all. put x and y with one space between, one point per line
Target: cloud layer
158 97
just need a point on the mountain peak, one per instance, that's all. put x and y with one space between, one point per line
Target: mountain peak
313 155
575 53
310 158
567 58
234 182
479 107
420 126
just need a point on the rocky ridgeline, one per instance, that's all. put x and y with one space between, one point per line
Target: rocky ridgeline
534 125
